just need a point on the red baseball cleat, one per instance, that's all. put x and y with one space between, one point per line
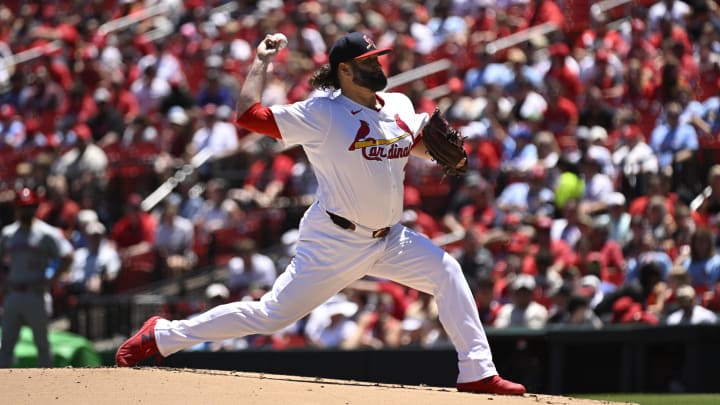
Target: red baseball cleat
139 347
492 385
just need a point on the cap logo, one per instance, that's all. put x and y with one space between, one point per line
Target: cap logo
369 41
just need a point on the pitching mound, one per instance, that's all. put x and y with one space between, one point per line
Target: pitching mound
184 386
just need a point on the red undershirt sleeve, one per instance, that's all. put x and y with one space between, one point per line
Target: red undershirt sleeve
259 119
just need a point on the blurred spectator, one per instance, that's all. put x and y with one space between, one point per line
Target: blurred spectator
149 90
217 209
12 129
594 290
569 185
523 155
529 195
488 306
559 253
179 95
330 325
674 144
267 178
138 131
473 205
57 208
217 136
134 232
95 266
632 301
523 311
174 240
650 250
191 201
579 313
78 236
625 310
635 160
617 218
676 10
562 80
415 217
596 110
560 298
475 260
591 144
424 308
84 165
250 270
122 98
175 137
690 313
289 241
379 328
567 227
213 90
42 98
706 206
609 254
702 262
598 185
658 189
107 124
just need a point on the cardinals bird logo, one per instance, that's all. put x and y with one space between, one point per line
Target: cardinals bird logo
375 149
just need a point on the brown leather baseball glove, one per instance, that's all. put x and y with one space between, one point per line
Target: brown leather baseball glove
445 145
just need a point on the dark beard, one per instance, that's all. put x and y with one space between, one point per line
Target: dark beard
375 80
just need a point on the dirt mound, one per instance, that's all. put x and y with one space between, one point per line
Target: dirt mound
185 386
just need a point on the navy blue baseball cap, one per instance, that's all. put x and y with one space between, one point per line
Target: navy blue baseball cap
353 46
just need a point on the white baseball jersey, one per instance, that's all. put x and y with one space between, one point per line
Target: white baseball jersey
358 154
359 157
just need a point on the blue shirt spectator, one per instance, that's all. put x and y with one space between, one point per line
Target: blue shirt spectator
671 137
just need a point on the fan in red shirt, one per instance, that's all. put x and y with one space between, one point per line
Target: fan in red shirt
561 116
268 177
57 208
472 206
562 252
571 85
708 73
638 206
134 232
599 36
607 77
640 46
421 220
639 94
669 30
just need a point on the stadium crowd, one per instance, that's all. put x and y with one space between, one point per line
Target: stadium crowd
592 197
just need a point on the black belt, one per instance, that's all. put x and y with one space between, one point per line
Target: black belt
345 223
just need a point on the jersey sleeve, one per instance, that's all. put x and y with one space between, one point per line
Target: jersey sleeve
305 122
414 121
259 119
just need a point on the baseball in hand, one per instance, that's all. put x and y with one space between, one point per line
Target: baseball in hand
280 40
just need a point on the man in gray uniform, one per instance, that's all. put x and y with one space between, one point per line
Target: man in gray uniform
31 246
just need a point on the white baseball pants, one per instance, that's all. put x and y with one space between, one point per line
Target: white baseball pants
328 259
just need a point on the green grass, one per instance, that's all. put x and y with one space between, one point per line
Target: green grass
657 399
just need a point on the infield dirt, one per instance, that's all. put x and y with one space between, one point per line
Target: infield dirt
186 386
